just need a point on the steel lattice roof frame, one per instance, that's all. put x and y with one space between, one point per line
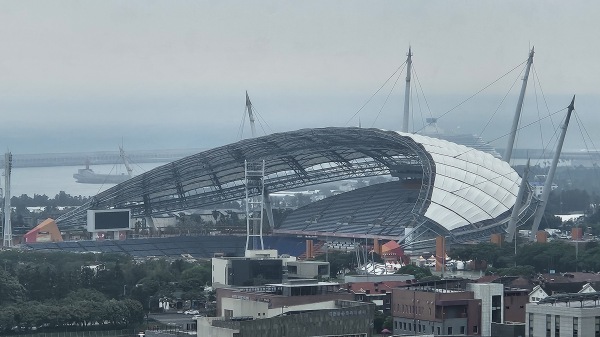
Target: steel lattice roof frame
293 159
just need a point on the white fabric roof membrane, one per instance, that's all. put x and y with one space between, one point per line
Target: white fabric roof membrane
470 186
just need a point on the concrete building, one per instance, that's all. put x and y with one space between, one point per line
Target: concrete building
244 271
338 318
277 299
379 278
492 304
263 266
515 300
565 283
435 311
576 315
308 269
378 293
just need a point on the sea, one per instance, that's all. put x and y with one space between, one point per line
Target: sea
50 181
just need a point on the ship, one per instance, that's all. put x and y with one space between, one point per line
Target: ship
88 176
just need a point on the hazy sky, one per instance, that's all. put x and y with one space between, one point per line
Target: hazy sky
84 75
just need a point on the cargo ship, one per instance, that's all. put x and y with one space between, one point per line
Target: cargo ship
88 176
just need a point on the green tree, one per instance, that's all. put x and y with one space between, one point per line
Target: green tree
339 262
411 269
11 291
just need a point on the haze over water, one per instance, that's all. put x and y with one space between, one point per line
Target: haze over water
51 180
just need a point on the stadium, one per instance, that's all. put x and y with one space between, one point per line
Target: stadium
438 188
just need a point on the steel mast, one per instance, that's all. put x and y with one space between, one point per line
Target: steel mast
125 161
407 91
250 115
7 242
254 174
515 124
512 223
539 212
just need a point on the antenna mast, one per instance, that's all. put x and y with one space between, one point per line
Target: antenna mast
539 212
257 195
7 225
407 91
515 124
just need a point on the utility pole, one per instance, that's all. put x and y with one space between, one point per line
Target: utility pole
7 243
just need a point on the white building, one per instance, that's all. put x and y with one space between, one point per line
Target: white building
575 315
537 294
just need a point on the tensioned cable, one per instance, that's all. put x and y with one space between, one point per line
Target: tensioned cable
499 176
422 91
420 108
582 126
579 124
542 91
537 105
500 104
261 123
590 138
242 122
478 92
260 117
370 98
412 106
518 129
386 98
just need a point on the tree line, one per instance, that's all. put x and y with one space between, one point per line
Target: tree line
46 290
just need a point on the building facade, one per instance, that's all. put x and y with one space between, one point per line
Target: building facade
343 319
435 311
575 314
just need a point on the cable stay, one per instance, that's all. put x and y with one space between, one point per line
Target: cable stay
376 92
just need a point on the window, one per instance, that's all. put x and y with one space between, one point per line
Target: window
404 324
439 333
409 326
556 325
530 325
462 330
449 330
575 327
475 329
597 320
548 325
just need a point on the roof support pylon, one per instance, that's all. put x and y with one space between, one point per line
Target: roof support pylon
407 91
514 217
539 212
515 124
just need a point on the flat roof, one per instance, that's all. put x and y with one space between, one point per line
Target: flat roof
291 285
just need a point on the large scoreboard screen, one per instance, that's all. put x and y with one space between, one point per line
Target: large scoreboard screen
108 220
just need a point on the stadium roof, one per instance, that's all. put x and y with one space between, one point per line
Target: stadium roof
459 186
470 186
